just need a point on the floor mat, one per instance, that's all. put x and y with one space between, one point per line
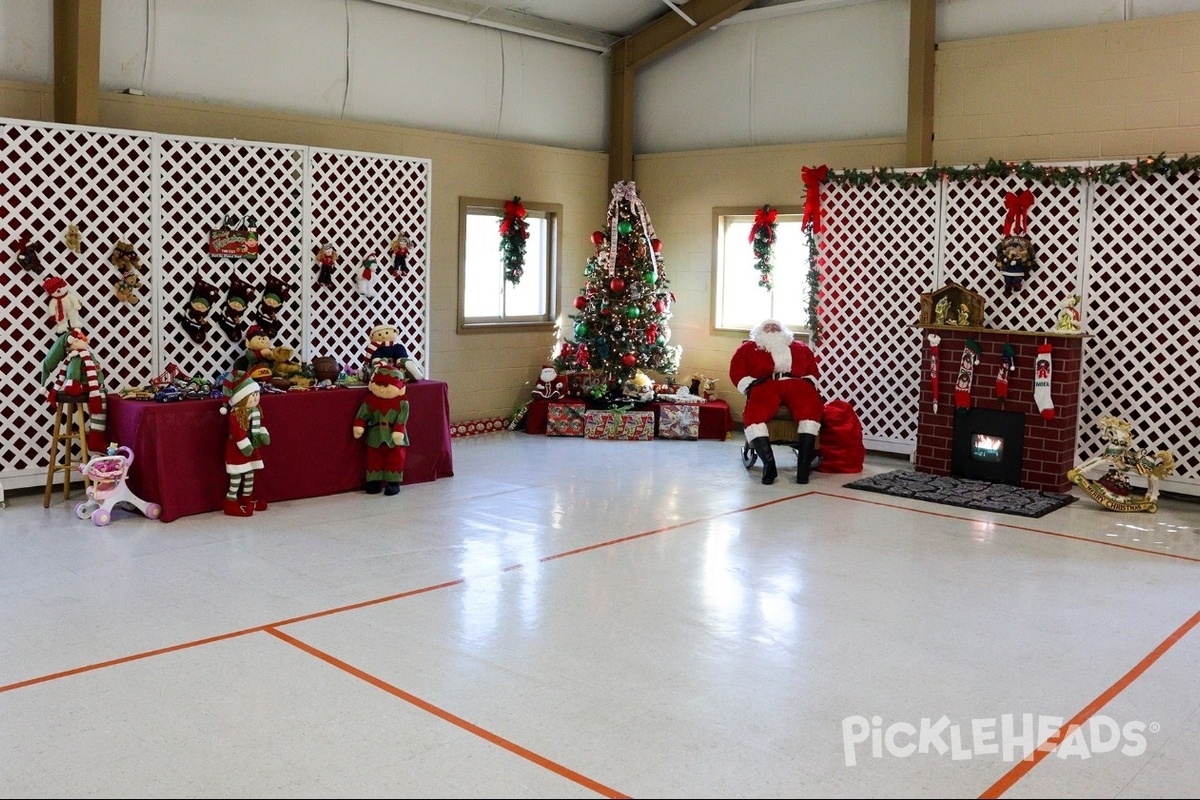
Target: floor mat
964 493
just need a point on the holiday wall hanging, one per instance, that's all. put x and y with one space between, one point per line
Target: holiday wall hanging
1016 254
514 231
398 249
27 254
125 259
762 240
194 319
326 258
238 297
235 237
274 294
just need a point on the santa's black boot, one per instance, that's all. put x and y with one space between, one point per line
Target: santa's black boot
762 448
805 450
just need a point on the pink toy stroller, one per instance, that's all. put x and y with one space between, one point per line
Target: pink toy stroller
107 474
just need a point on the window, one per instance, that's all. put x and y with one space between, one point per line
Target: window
739 303
486 299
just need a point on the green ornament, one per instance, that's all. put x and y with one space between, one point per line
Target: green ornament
581 330
624 226
633 312
650 277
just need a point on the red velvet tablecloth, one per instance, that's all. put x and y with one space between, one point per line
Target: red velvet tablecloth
179 447
716 420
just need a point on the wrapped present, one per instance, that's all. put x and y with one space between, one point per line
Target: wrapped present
584 384
618 424
565 418
678 421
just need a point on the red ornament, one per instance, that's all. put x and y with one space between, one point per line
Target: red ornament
656 245
599 237
581 302
629 359
660 306
617 284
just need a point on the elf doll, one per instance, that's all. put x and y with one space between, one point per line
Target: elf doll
259 356
383 418
71 375
247 435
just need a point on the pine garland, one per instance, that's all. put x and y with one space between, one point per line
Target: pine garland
814 286
1107 174
762 238
514 231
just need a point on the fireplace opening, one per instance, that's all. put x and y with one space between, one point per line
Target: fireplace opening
988 445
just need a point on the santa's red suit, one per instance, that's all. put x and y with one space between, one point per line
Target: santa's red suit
774 370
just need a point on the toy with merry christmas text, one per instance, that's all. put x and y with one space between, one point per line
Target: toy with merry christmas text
1120 460
382 420
247 436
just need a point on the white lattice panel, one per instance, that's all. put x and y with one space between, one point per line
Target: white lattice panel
1142 361
201 182
876 255
360 205
54 176
973 227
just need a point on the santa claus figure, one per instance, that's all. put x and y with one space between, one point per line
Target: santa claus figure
772 369
550 385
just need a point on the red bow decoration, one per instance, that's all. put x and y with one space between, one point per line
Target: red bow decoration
513 210
813 177
1018 205
764 218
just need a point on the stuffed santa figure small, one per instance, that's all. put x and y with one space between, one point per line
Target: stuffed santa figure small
550 385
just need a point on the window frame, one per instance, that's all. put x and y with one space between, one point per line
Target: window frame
552 212
799 327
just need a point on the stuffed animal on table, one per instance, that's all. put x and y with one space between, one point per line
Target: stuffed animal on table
65 306
550 385
69 373
383 420
247 436
384 347
258 359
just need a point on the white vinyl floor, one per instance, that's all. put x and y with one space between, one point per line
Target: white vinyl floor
567 618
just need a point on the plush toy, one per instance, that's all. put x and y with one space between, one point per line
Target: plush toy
284 366
70 374
125 259
247 435
366 277
64 304
326 257
239 295
257 360
27 254
550 385
383 418
399 250
195 319
383 347
266 316
639 388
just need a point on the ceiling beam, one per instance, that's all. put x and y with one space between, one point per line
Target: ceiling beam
918 146
76 25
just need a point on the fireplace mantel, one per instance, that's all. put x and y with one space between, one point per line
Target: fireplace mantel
1002 331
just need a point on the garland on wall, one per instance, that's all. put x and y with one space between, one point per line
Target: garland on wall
762 238
1105 174
514 230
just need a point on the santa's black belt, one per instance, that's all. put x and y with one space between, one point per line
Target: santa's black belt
775 376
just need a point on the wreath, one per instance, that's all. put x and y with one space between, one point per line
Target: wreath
762 239
514 231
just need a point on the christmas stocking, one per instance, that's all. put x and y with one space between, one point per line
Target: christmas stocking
1006 367
966 374
194 319
1041 383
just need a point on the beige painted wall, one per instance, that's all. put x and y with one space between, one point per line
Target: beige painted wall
1107 92
487 373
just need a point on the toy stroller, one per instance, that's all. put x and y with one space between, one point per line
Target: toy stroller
107 474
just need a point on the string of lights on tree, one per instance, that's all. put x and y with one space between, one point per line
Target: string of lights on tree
620 324
514 233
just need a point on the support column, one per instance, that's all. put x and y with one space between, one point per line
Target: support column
77 61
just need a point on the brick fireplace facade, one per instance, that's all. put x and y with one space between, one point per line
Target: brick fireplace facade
1049 450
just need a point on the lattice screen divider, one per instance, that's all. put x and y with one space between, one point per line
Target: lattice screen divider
876 255
166 193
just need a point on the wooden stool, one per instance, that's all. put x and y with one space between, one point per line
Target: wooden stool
70 424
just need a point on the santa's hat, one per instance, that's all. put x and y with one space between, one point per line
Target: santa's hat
236 387
54 284
387 375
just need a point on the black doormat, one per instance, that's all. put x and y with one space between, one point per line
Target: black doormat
964 493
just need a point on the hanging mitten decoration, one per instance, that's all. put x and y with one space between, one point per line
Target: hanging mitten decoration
326 257
27 254
934 341
966 374
399 252
1007 359
237 299
125 259
366 277
1017 254
514 231
1041 382
274 294
65 305
194 319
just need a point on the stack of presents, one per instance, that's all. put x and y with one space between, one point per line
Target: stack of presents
675 414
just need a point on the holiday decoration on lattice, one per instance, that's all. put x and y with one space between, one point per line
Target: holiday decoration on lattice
762 243
361 205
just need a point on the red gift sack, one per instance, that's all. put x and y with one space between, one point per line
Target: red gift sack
841 439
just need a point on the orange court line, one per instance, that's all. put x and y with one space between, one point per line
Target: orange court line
453 719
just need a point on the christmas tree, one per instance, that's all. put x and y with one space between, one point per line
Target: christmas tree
623 308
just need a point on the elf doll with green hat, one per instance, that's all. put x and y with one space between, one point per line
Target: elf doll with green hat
247 435
71 375
383 418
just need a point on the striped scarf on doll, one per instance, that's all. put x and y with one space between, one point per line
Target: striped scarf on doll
77 376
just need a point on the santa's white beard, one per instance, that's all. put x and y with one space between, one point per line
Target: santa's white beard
778 344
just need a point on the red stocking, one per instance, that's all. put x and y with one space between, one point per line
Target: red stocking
966 375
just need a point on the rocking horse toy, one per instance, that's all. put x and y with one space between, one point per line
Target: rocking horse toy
1112 489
